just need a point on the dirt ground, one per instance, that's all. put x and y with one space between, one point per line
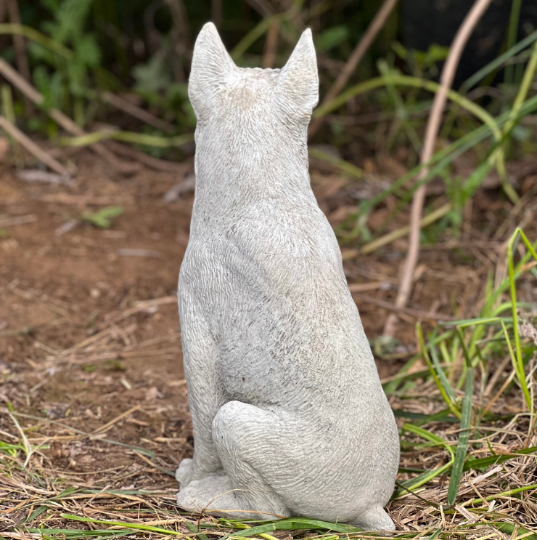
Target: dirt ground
90 351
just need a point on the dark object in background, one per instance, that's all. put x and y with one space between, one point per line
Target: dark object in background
428 22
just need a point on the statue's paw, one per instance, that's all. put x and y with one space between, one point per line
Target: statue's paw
184 472
374 519
207 494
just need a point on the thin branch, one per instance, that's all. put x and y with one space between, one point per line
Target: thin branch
20 51
175 167
271 45
29 145
367 39
180 36
3 7
433 125
263 7
216 13
141 114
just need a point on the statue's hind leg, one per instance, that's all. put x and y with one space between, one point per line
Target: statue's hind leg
255 447
245 437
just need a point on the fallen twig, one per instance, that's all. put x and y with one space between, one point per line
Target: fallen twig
186 186
151 162
271 44
415 313
31 147
42 177
128 252
13 222
433 125
20 51
399 233
130 108
39 300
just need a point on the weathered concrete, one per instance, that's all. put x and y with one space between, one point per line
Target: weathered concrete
289 414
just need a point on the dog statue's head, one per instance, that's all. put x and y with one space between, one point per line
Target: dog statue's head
252 99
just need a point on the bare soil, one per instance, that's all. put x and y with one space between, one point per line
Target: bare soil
90 351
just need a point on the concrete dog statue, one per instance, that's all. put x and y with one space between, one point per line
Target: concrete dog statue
289 415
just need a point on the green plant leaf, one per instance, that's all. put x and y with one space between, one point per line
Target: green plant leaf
71 18
87 50
331 38
152 77
489 461
103 218
293 524
464 436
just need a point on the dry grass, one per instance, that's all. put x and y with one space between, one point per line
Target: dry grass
496 496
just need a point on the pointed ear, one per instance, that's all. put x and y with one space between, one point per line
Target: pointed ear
298 81
211 65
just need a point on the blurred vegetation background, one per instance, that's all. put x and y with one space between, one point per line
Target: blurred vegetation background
145 47
103 63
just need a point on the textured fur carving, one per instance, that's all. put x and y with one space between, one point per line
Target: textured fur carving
288 411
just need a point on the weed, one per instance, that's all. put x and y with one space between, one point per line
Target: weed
104 218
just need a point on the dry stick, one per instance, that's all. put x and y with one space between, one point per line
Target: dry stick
151 162
19 220
179 35
433 125
216 13
271 44
29 145
61 119
415 313
269 10
399 233
20 51
367 39
135 111
263 7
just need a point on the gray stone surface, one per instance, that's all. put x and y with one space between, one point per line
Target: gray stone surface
289 415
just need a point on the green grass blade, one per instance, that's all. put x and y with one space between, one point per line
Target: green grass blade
438 163
512 286
293 524
431 437
489 461
73 534
464 436
442 375
36 513
436 534
512 32
489 68
345 166
445 393
127 525
510 529
192 528
420 480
